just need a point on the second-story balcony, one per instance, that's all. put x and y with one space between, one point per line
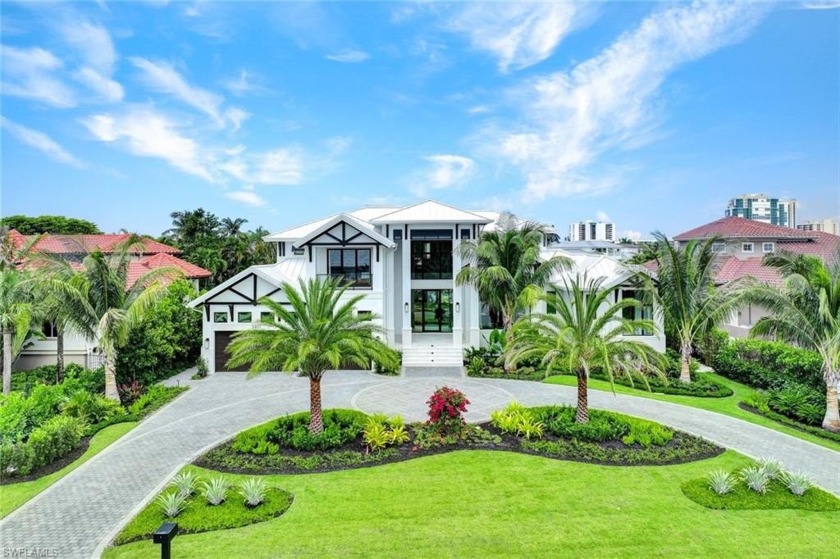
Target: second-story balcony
352 279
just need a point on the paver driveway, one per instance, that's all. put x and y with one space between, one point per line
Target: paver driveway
81 513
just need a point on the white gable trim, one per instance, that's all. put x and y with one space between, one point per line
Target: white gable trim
335 232
248 296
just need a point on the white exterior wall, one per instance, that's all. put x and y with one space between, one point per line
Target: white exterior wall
44 352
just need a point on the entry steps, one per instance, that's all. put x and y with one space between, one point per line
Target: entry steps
432 356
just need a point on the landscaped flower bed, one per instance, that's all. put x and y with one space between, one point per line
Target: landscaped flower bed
352 439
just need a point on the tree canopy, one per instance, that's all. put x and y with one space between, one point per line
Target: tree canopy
54 224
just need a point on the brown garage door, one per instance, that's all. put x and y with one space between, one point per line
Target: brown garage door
222 341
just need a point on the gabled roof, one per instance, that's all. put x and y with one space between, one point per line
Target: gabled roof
272 273
732 268
611 270
78 244
189 269
432 212
361 226
742 228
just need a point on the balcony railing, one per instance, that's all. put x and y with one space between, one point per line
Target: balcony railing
353 280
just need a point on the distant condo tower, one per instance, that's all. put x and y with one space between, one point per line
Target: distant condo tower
828 225
592 231
760 207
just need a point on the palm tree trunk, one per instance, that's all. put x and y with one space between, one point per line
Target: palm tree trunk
59 354
7 361
316 418
111 376
831 422
582 413
685 363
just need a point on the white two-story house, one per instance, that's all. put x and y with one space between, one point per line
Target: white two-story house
404 259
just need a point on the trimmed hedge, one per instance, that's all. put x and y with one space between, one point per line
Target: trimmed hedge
768 365
47 443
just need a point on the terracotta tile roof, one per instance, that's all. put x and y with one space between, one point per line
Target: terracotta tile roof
77 244
731 268
739 227
139 268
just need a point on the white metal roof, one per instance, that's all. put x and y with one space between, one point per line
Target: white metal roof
613 271
431 212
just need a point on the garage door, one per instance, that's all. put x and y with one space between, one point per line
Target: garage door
222 356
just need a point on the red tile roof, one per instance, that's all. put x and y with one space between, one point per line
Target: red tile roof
77 244
731 268
160 260
739 227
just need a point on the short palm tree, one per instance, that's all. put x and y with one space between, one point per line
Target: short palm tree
687 295
109 308
18 305
586 331
506 268
805 312
316 332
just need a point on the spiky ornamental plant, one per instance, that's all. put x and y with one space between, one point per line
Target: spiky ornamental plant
586 331
185 483
797 482
253 490
755 478
215 490
772 468
721 482
805 312
172 504
317 331
505 267
690 302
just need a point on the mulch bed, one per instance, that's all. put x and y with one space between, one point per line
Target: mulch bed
224 458
53 467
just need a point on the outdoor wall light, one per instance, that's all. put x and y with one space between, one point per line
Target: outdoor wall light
406 307
457 306
206 343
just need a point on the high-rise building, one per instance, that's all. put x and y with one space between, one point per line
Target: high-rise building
592 231
760 207
827 225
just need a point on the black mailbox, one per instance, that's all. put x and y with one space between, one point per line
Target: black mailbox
164 536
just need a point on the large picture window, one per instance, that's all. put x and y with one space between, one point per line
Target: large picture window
352 265
431 259
643 312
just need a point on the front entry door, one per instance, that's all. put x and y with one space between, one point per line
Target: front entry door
431 310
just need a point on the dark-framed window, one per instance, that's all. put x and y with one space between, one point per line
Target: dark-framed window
431 259
644 312
220 316
352 265
243 317
50 330
267 316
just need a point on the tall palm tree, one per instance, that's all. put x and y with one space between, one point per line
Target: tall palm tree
110 308
687 295
586 331
805 312
506 268
319 332
232 227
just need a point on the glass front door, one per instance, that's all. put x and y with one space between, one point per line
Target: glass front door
431 310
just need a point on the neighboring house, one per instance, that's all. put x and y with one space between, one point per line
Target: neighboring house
620 251
743 245
147 256
403 259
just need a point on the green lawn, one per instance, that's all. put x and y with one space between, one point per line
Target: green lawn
502 504
726 406
14 495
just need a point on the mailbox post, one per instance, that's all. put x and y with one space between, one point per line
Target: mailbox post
164 536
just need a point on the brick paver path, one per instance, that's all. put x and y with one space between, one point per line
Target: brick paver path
82 512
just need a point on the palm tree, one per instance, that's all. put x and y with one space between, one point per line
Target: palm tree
687 296
18 305
586 331
506 268
232 227
319 332
805 312
109 307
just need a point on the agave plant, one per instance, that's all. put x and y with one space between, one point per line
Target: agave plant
253 490
215 490
721 482
756 478
172 504
797 482
772 468
185 483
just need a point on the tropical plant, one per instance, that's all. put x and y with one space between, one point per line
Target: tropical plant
505 267
796 482
316 331
107 307
586 331
771 468
721 482
18 307
756 478
54 224
215 490
805 311
689 300
184 483
253 490
172 504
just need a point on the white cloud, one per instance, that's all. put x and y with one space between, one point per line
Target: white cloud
518 34
243 83
162 77
147 133
106 88
632 235
277 167
445 171
30 73
237 116
825 5
602 216
93 43
606 103
246 196
352 56
41 142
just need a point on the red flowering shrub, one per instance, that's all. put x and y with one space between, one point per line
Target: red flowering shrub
446 406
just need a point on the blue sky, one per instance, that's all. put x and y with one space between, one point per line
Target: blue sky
651 114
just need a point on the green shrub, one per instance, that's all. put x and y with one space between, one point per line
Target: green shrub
755 478
155 398
799 402
90 408
476 366
253 490
215 490
777 496
796 482
646 433
768 365
758 401
20 414
54 439
184 483
381 369
381 431
340 427
602 426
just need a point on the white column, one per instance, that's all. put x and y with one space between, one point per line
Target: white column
386 265
406 291
208 341
458 309
475 317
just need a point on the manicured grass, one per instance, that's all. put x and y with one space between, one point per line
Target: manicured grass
743 498
14 495
726 406
201 517
500 504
